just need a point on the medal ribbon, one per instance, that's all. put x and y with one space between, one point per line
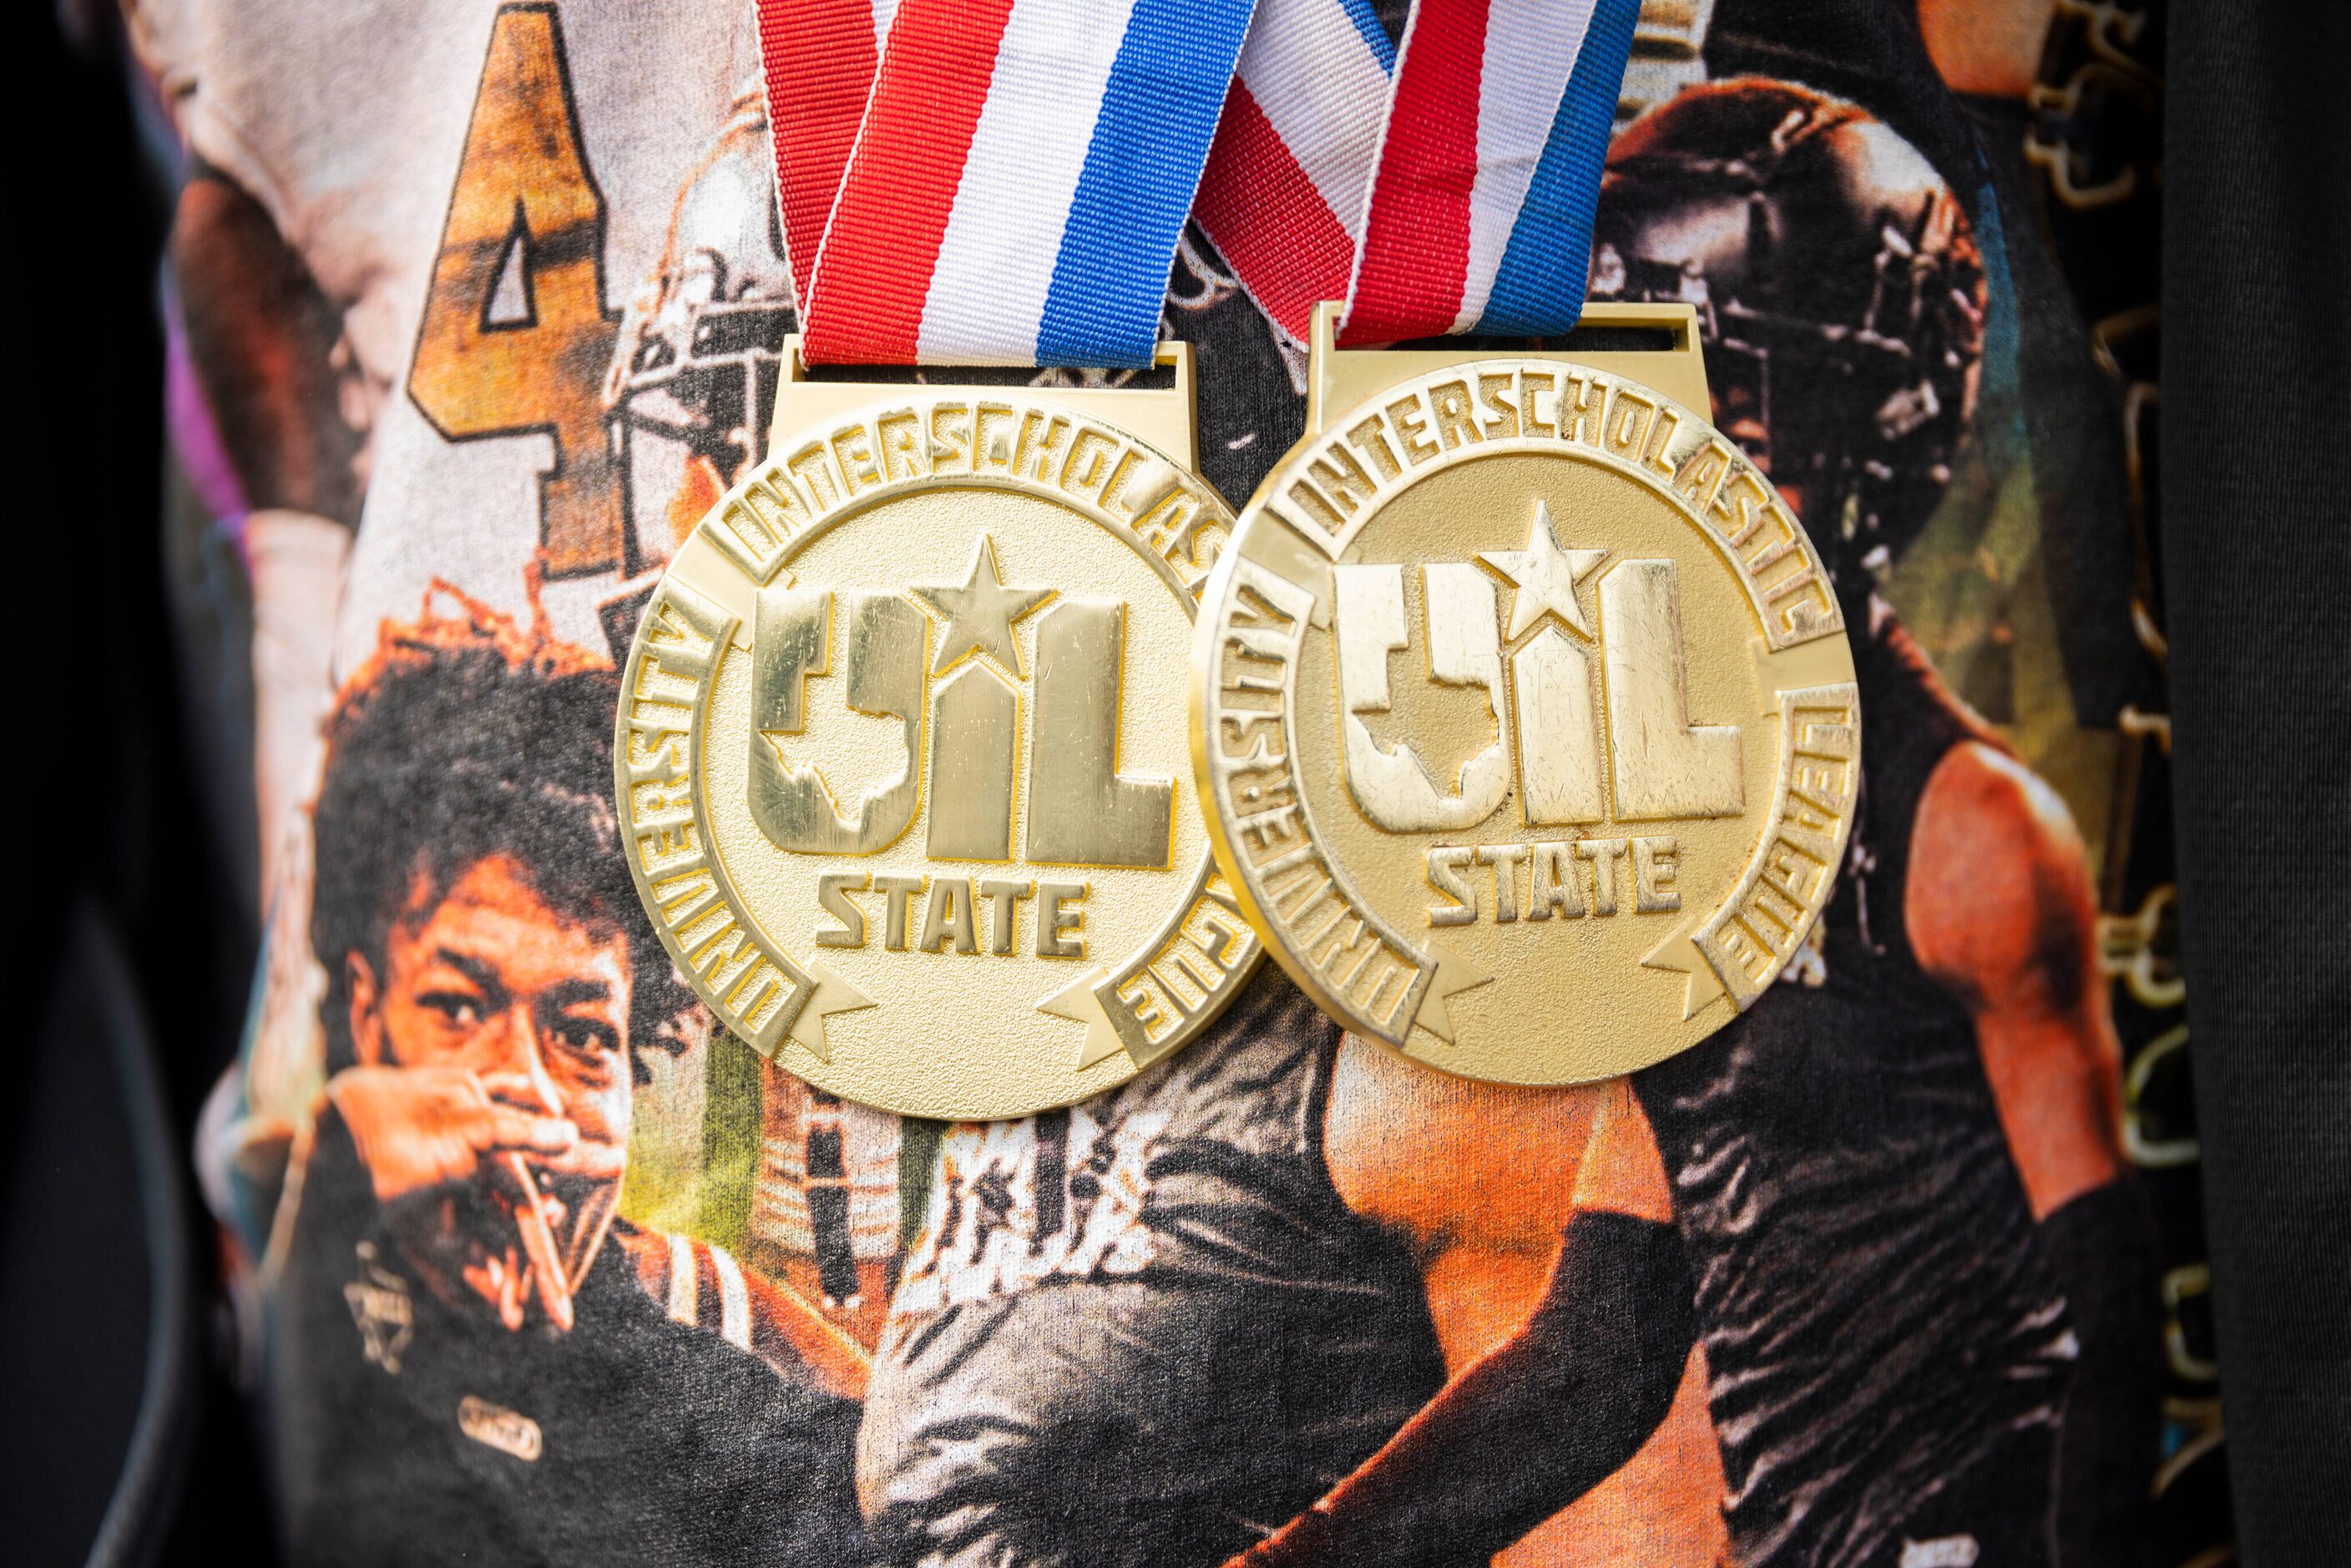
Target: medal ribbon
1010 188
817 58
1450 189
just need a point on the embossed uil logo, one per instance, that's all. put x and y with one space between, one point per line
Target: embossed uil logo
1660 767
966 689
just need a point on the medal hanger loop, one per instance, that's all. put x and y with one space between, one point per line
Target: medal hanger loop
1338 379
1164 416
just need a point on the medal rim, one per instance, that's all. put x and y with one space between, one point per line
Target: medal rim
924 396
1204 711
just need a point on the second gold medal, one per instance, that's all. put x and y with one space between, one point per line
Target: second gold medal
1525 709
1522 700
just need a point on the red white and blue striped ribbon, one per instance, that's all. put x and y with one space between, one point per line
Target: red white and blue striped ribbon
1450 190
1284 194
817 58
1020 173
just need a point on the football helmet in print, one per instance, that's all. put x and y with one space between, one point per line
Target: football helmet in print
1839 290
694 376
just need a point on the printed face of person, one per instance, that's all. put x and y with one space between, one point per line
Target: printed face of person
492 981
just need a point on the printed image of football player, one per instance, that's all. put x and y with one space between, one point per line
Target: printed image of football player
288 345
2069 102
1145 1330
474 1358
1572 1425
1958 969
300 256
1896 1186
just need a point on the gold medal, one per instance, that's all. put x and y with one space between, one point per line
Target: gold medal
1524 709
901 753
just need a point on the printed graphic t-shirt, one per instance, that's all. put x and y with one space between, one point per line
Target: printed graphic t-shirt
543 238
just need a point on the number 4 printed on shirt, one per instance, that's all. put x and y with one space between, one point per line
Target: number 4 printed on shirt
516 339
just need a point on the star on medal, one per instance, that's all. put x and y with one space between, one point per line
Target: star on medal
833 995
1543 577
979 615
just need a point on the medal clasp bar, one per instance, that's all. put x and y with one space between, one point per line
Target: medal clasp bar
1338 379
1164 416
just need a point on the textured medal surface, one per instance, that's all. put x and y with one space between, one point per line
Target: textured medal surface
901 764
1528 722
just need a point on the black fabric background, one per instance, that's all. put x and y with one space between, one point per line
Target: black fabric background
129 949
2257 567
